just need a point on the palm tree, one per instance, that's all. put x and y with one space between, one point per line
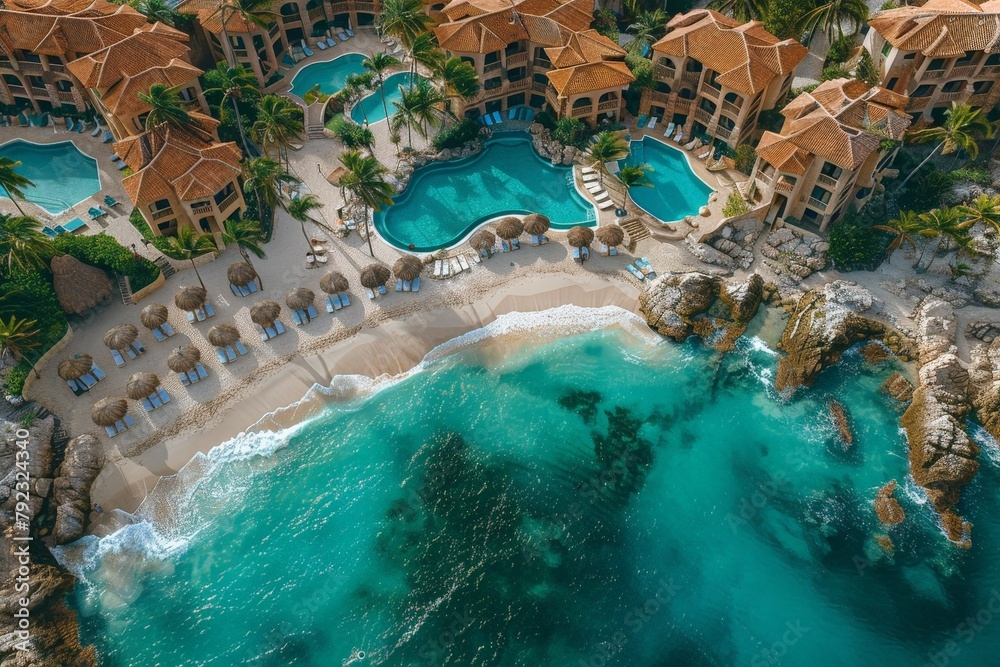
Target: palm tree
234 84
420 108
189 244
985 209
264 176
648 27
458 80
962 127
634 176
424 51
248 236
377 64
166 109
12 182
904 229
741 10
358 85
404 20
254 13
937 223
608 148
299 208
22 243
831 16
365 179
159 10
278 125
17 336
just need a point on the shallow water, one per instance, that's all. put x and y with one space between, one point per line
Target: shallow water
676 190
602 498
63 175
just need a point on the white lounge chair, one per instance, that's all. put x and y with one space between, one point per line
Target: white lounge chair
652 123
670 130
604 205
602 195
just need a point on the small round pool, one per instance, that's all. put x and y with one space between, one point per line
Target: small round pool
63 175
371 107
677 191
446 201
329 74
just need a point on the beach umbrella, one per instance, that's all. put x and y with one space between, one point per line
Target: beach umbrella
580 237
484 239
333 283
153 316
141 385
223 335
184 359
535 224
191 298
107 411
241 274
610 235
78 286
264 313
374 276
509 228
73 368
120 336
407 267
300 298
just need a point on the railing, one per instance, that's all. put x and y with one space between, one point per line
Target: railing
552 100
240 53
608 105
817 204
542 63
702 116
583 111
664 72
763 179
274 29
228 201
207 208
65 96
783 186
538 86
731 108
56 67
708 91
965 70
517 59
682 105
39 92
30 67
827 180
950 97
916 103
992 69
492 67
339 7
723 133
691 77
933 74
6 64
17 90
159 215
657 96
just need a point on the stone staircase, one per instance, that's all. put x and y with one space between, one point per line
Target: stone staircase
635 229
126 290
166 267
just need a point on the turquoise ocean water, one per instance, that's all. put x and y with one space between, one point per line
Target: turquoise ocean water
561 494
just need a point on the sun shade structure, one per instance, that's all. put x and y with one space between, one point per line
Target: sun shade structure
191 298
78 286
407 267
184 359
223 335
141 385
610 235
535 224
333 283
579 237
509 228
374 276
264 313
154 315
107 411
120 336
241 274
300 298
73 368
484 239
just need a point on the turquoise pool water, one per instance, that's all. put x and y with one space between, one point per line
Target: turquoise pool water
63 175
370 107
445 201
330 74
676 191
565 497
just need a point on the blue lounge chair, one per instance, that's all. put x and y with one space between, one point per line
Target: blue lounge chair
333 303
74 224
407 286
209 310
576 253
488 119
642 121
167 329
184 379
382 290
416 284
612 251
241 349
330 42
129 420
48 231
321 45
270 332
22 120
344 299
164 396
119 359
110 430
121 165
96 213
69 124
147 404
287 61
252 287
297 317
77 389
512 113
305 49
221 355
98 373
497 118
399 285
350 33
131 353
342 36
155 400
635 272
238 291
81 125
159 335
231 353
96 131
201 372
111 201
89 381
107 137
370 293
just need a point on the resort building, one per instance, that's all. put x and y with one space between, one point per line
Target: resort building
942 52
537 52
833 145
714 75
180 179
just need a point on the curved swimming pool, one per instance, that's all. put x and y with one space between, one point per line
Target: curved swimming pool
63 174
445 201
371 108
329 74
677 191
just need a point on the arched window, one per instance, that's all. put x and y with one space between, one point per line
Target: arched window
582 102
607 97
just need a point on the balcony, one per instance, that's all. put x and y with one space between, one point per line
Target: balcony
207 208
763 180
708 91
723 133
827 180
932 74
538 86
542 63
57 67
992 69
165 213
6 64
228 201
517 59
491 67
66 97
731 108
664 73
817 204
17 90
609 105
583 111
916 103
691 77
30 67
702 116
950 97
520 84
962 72
39 92
682 105
784 186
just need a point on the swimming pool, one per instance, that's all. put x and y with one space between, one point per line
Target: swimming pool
63 175
677 191
329 74
370 107
445 201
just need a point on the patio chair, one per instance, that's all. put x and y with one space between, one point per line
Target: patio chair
111 201
305 49
96 131
321 45
107 137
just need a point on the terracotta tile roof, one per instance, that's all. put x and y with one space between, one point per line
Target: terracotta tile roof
60 27
590 77
211 20
835 122
153 47
122 99
485 26
588 46
746 56
941 28
176 162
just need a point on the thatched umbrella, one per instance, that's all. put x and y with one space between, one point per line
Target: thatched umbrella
184 359
141 385
535 224
120 336
580 237
484 239
333 283
223 335
191 298
509 228
300 298
374 276
610 235
73 368
153 316
407 267
264 313
241 274
78 286
107 411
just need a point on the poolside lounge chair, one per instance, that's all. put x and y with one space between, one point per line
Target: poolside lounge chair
464 263
497 118
22 119
642 121
593 188
321 45
239 290
69 124
445 268
121 165
588 170
399 285
305 49
705 154
333 303
455 266
330 42
437 268
287 61
345 299
115 157
81 125
382 290
415 285
604 205
488 120
97 372
670 129
635 272
679 137
107 137
73 225
652 123
96 212
343 36
588 178
48 231
350 33
602 195
77 389
111 201
370 293
167 329
511 113
241 349
119 359
96 131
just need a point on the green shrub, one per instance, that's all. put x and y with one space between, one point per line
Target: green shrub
735 205
16 378
804 89
570 132
834 72
854 245
783 17
866 72
840 50
606 23
889 4
351 134
642 70
927 190
106 253
454 136
973 173
745 157
37 301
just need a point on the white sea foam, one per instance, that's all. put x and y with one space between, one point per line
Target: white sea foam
988 445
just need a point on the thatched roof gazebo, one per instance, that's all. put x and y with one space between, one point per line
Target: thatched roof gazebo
580 237
153 316
407 268
141 385
374 276
73 368
509 228
184 359
78 286
121 336
333 282
610 235
536 224
483 241
223 335
191 298
107 411
241 274
300 298
264 313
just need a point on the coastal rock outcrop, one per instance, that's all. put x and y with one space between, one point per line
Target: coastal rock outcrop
824 323
792 255
81 465
898 387
843 425
887 508
984 377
